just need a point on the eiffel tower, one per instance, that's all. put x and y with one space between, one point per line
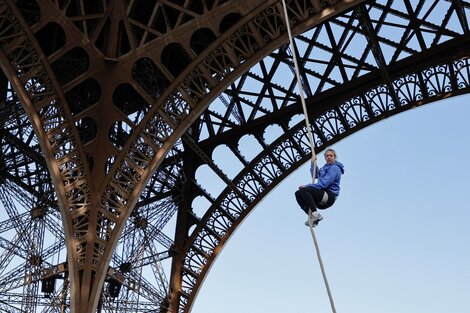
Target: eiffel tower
137 135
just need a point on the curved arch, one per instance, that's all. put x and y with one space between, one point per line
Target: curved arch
188 96
390 158
175 59
292 149
201 39
228 21
195 86
352 80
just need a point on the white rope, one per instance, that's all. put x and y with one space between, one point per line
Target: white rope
317 248
310 138
299 85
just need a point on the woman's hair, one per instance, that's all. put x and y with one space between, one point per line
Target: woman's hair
332 150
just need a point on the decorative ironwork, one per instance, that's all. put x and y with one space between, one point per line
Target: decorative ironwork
109 131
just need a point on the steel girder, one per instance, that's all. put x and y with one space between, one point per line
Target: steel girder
122 122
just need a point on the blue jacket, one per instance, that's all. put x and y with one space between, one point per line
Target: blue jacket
329 177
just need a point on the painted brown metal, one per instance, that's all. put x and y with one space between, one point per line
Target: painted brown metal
117 94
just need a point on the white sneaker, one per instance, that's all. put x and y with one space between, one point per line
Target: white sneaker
316 218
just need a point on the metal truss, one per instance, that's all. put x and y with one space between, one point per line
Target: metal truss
111 139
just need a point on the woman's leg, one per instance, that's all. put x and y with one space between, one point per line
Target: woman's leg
330 201
300 201
308 197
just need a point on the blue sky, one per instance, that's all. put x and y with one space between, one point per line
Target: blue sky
395 241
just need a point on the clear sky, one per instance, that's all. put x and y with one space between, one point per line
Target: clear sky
395 241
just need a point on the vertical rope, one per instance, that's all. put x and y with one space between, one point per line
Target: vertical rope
310 138
317 248
299 85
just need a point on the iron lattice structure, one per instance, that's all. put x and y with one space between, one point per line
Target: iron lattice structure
137 135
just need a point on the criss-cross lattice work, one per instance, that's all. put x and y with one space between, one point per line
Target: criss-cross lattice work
136 137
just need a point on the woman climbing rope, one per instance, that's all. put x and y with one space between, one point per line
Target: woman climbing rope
323 193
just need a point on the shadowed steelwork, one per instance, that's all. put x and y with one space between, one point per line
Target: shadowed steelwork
137 136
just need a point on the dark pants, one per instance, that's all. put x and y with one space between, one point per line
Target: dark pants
310 197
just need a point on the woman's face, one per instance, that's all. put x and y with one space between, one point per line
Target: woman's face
330 157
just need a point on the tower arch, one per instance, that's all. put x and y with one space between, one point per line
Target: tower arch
352 73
